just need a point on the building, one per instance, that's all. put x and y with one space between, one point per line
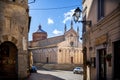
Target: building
63 49
101 39
14 25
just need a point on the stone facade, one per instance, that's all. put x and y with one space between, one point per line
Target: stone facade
101 38
64 49
14 21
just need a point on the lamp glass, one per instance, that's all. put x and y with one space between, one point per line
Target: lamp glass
77 14
75 18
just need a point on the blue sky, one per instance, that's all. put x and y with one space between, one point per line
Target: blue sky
52 15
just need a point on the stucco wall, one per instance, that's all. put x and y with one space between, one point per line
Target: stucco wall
107 26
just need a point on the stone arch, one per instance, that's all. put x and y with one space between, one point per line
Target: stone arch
9 38
8 60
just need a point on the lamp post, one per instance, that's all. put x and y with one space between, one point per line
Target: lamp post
76 17
77 14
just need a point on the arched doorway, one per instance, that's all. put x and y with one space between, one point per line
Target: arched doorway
8 60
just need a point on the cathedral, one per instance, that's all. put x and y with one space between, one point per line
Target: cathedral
63 49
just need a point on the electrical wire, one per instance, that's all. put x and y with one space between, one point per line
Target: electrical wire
54 8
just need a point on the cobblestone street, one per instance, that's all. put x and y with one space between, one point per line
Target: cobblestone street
55 75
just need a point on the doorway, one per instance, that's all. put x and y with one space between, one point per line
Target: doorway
102 64
116 72
47 60
8 60
71 59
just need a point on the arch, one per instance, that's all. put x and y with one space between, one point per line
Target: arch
9 38
8 60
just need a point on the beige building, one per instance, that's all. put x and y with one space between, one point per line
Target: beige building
14 21
64 49
101 39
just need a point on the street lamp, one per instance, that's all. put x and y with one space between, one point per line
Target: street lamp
85 22
76 16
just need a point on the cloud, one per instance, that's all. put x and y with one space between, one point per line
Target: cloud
68 16
57 32
50 21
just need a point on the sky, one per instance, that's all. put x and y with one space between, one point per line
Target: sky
52 15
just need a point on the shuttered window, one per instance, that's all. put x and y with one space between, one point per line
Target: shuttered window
100 9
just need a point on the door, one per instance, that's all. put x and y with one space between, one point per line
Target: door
47 60
102 64
71 59
117 60
8 60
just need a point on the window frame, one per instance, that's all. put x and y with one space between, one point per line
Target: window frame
100 9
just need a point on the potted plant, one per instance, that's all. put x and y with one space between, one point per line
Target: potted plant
108 57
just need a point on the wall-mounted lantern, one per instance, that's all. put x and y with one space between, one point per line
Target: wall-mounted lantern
108 58
76 16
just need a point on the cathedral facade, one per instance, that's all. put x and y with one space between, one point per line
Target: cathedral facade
63 49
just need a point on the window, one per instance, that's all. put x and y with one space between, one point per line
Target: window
100 9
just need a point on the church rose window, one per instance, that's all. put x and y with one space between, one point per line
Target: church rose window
71 35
